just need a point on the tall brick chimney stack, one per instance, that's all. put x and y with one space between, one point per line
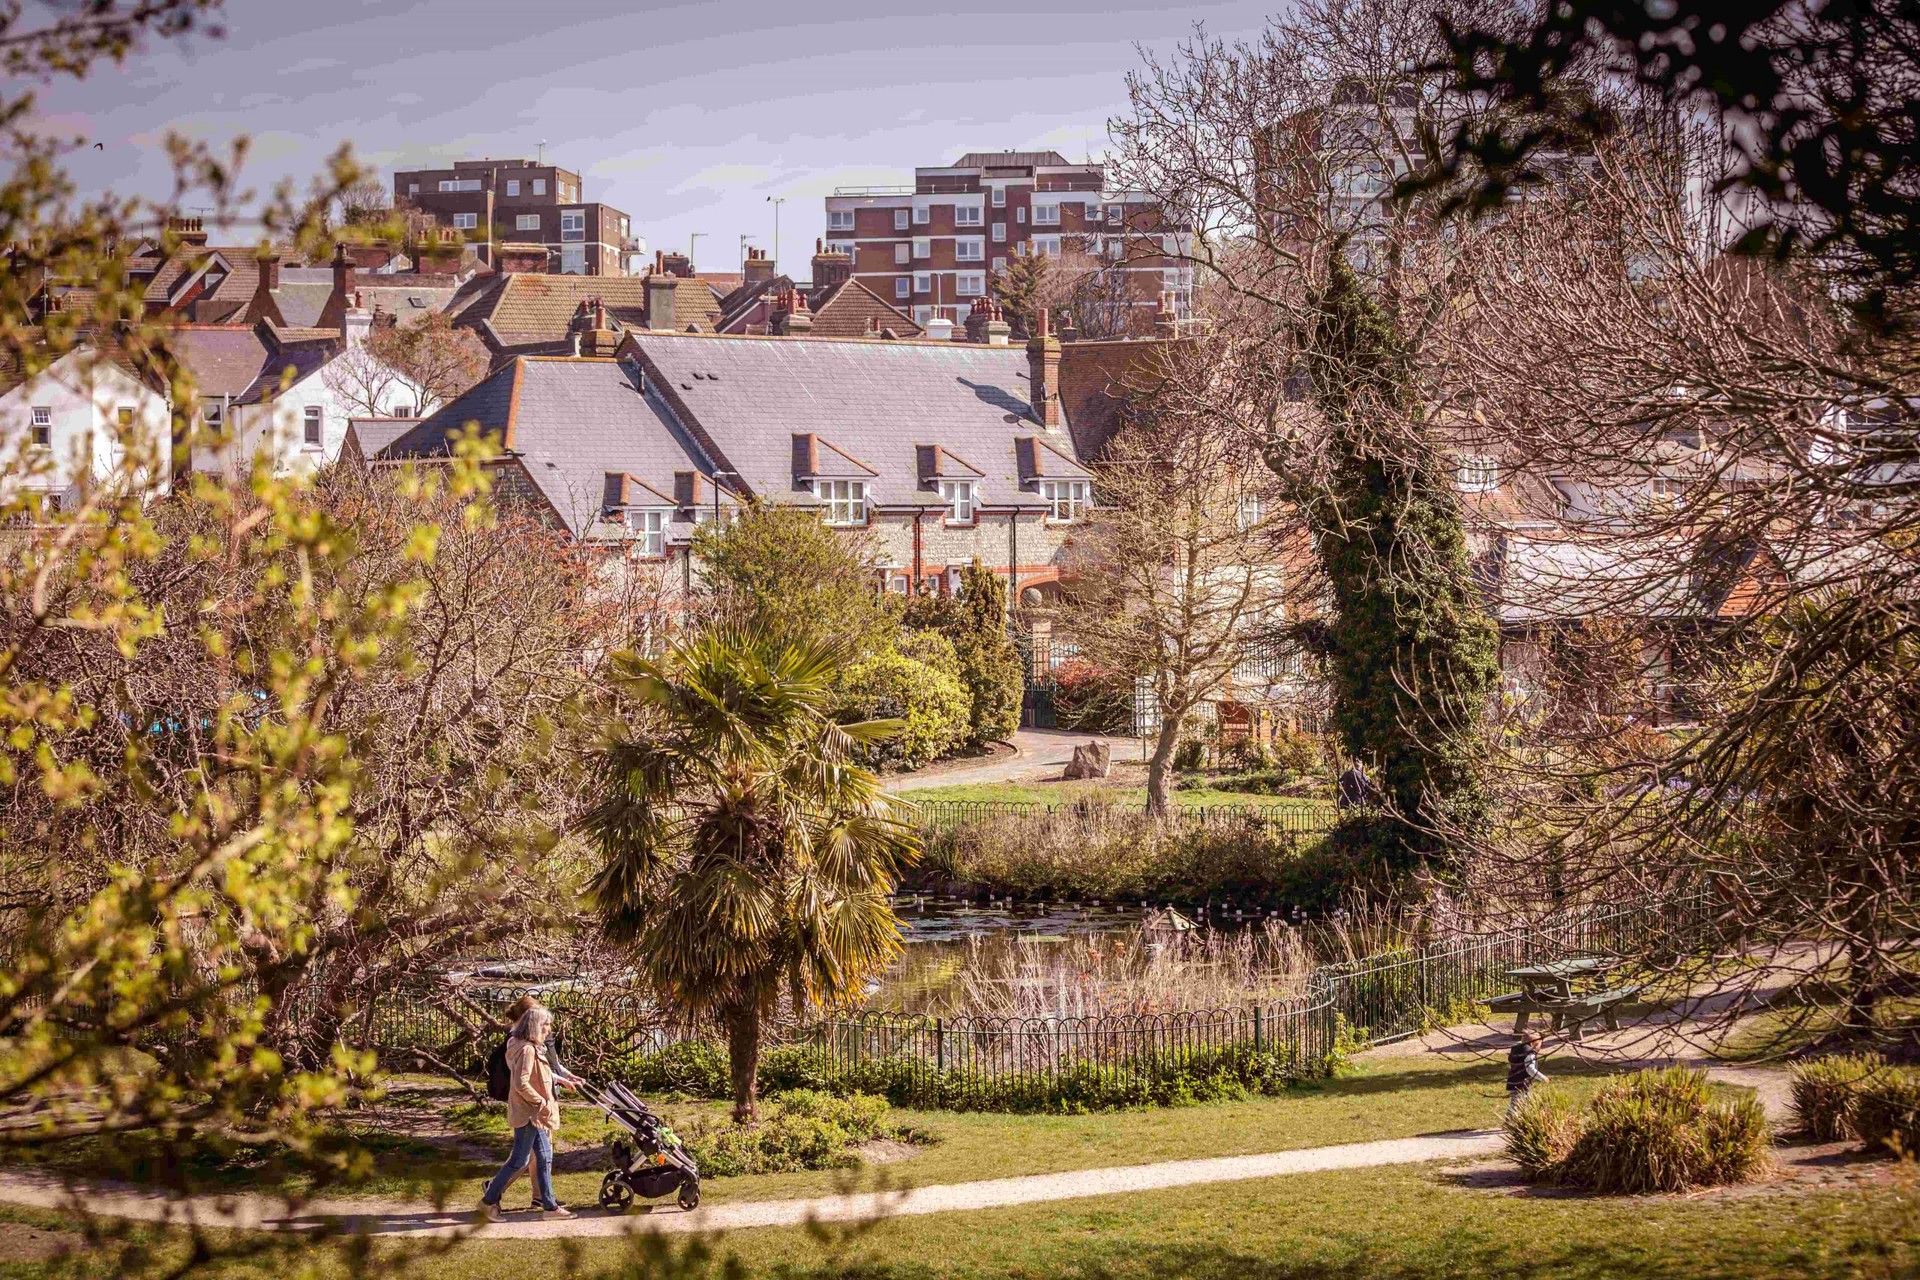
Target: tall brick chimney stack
790 316
830 266
1043 373
757 267
343 281
661 293
189 231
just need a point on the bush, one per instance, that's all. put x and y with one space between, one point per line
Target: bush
1651 1131
1248 755
802 1129
697 1068
1295 752
917 680
1265 783
989 664
1887 1113
1190 755
1825 1091
1090 699
1542 1132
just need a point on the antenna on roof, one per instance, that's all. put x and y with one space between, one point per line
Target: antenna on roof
543 152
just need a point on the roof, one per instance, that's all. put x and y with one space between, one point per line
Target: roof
1547 579
374 434
851 310
250 363
1009 159
535 307
1097 379
570 421
13 370
228 299
751 402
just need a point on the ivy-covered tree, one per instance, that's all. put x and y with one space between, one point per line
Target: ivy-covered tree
1413 650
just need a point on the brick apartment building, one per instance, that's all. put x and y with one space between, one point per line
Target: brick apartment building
497 203
930 248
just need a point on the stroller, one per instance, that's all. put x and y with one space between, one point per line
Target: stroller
659 1166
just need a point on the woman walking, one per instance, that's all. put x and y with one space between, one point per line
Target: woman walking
533 1112
562 1078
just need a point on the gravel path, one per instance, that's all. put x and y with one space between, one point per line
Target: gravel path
421 1220
1042 753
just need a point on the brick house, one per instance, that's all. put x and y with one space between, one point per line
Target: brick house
495 203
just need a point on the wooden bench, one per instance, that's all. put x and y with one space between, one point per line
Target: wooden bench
1566 1011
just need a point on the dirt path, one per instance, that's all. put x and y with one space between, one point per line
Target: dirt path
1042 753
376 1217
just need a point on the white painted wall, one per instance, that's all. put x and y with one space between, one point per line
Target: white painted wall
85 393
278 428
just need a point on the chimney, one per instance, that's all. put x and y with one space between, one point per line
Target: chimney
269 271
806 456
790 315
676 264
188 231
830 267
1165 326
757 267
1067 332
997 327
686 489
343 282
1043 373
977 321
660 295
356 323
940 329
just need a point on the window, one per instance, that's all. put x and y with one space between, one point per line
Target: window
901 218
1114 214
1066 499
650 532
402 411
527 222
922 247
901 252
42 436
839 219
958 495
1049 245
1670 489
465 221
840 246
969 249
1046 215
213 414
923 282
846 500
1170 279
1020 214
413 188
999 232
999 197
902 287
1479 473
573 224
1170 245
539 186
922 215
310 428
1253 509
460 184
124 416
573 259
999 264
968 215
972 284
922 314
1116 247
513 186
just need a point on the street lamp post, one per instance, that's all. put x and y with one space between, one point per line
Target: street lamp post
776 202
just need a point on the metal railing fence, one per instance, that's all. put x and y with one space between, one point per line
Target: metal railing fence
1302 819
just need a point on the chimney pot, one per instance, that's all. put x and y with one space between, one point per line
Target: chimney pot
1043 373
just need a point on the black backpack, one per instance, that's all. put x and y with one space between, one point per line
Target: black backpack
499 1075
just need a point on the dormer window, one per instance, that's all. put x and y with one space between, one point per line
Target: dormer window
845 500
958 495
649 532
1066 500
1479 473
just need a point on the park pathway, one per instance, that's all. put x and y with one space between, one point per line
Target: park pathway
1039 754
387 1218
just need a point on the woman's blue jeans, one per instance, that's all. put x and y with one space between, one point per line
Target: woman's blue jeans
528 1140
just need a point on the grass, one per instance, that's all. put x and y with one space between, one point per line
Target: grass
1061 793
1394 1223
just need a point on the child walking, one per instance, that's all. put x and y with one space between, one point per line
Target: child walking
1523 1070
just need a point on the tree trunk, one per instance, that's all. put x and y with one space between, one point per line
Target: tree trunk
743 1056
1160 767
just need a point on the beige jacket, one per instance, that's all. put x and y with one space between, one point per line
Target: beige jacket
530 1099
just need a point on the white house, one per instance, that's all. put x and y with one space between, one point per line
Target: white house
85 419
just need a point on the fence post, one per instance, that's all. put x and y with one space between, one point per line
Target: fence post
1256 1028
939 1044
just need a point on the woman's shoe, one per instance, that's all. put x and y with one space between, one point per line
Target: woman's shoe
558 1211
490 1212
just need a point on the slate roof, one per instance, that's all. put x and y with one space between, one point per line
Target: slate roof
235 291
570 421
1008 159
250 363
372 435
750 401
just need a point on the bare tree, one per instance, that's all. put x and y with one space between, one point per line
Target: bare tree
436 359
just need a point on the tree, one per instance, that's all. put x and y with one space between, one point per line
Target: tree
1180 568
440 362
975 621
741 850
780 571
367 384
365 203
1020 287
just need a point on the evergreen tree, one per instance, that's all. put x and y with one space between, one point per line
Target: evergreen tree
1413 649
975 621
1020 288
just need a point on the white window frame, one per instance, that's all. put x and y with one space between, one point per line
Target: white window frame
1041 212
902 254
539 186
578 231
526 222
999 233
923 246
213 414
1478 473
902 288
839 219
1669 488
845 502
401 411
40 427
999 264
958 495
466 222
1020 215
901 219
413 188
999 197
1250 511
1067 500
651 526
513 186
968 215
1114 214
313 427
922 215
922 313
969 249
923 282
1049 245
970 284
453 185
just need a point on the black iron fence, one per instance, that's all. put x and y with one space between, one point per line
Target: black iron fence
1301 819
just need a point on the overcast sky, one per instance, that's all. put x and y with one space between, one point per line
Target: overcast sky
687 117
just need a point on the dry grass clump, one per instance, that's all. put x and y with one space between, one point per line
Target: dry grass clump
1887 1111
1652 1131
1827 1090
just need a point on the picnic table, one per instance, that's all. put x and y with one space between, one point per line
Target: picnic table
1556 990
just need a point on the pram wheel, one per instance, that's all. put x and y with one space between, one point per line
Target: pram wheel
615 1195
689 1196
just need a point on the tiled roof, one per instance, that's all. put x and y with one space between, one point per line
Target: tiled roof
873 403
570 421
532 307
227 300
1098 379
224 360
374 434
851 310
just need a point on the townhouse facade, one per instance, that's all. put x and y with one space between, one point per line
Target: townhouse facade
525 204
90 417
931 247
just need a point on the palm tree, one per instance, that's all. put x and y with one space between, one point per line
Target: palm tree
743 850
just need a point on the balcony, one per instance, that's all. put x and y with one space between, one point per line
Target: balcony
874 191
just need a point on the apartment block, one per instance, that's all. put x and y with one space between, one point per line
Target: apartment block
930 248
508 207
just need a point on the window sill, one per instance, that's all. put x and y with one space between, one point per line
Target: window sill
961 524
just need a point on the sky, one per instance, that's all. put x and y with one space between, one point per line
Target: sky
688 117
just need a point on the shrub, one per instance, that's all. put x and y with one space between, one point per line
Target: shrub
1541 1133
1295 752
697 1068
803 1129
1887 1113
1249 755
1825 1091
1657 1131
1190 755
989 664
917 680
1090 699
1265 783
